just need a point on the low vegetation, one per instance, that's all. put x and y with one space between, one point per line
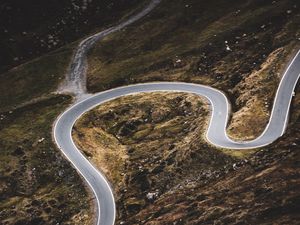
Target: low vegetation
33 80
148 145
38 186
241 50
260 189
152 148
162 168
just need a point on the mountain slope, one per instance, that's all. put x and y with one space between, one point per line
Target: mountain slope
32 28
240 47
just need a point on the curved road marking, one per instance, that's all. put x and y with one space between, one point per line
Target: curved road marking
216 133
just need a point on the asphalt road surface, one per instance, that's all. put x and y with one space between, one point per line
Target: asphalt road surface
216 133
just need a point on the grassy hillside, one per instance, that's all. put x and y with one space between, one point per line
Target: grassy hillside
153 150
34 79
152 146
241 49
261 189
41 76
148 144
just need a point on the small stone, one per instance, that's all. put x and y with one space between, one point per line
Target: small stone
41 140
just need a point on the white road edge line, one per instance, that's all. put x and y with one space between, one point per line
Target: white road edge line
151 87
58 129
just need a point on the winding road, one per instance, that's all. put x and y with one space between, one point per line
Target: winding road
216 133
